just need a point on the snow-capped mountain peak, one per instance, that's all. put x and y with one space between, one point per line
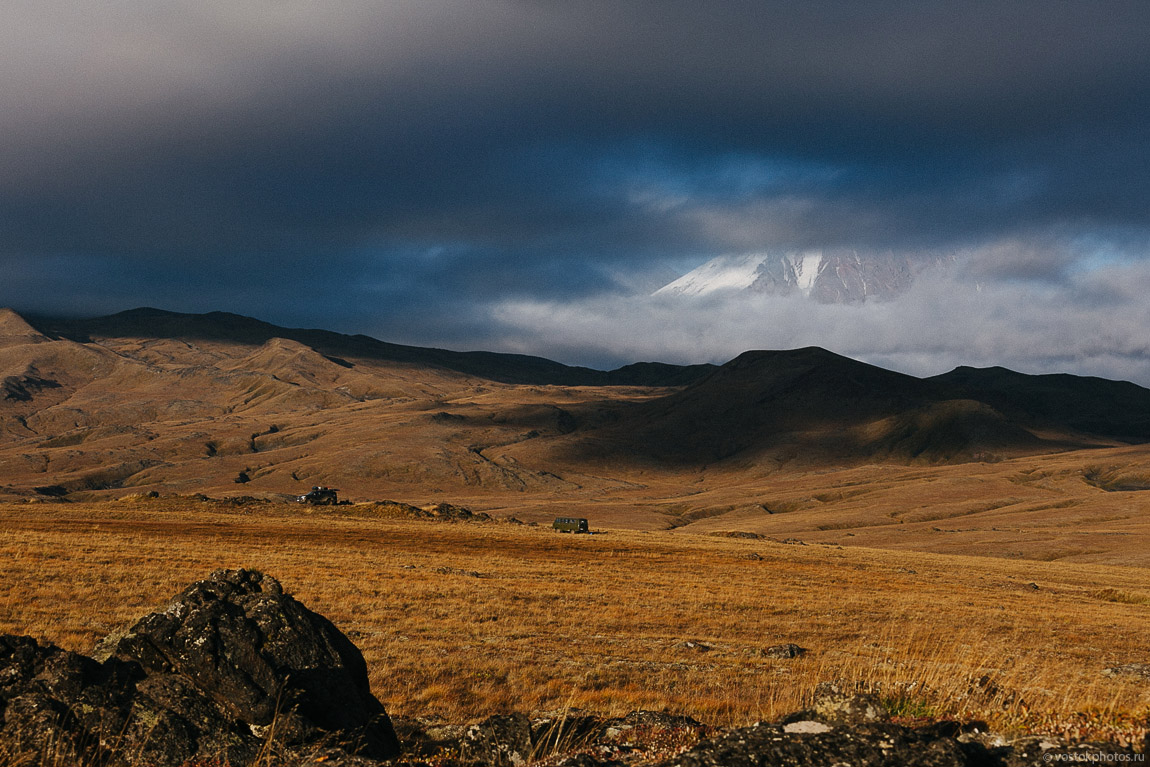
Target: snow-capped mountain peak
735 272
841 275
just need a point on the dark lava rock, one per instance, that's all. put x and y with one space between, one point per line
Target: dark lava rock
784 651
66 707
231 664
762 745
45 693
803 743
1036 751
503 740
265 660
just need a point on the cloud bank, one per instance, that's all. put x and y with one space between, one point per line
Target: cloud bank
1089 323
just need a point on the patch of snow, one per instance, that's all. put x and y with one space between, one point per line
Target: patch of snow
735 272
807 269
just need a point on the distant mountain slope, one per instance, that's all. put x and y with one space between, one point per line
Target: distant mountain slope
235 328
1118 409
157 400
189 403
813 406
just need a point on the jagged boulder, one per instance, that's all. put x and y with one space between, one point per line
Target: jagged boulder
66 707
231 664
265 659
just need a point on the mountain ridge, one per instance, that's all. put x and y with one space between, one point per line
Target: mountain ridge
161 400
497 366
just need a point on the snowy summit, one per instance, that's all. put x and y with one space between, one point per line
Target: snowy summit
827 276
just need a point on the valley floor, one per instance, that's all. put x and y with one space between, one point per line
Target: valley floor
460 620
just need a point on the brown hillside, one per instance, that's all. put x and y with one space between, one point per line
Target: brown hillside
14 331
802 444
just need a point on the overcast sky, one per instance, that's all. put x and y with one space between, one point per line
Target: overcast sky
519 175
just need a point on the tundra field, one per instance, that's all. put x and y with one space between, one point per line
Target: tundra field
461 620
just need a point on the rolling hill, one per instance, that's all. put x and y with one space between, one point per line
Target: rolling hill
236 329
228 405
814 407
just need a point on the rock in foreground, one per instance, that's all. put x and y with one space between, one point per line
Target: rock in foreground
231 665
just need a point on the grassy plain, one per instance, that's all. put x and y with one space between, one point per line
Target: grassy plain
461 620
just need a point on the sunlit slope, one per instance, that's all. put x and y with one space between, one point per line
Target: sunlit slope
803 443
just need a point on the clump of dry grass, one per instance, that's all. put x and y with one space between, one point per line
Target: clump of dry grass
615 622
1121 597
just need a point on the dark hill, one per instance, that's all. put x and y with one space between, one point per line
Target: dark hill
812 406
1115 409
235 328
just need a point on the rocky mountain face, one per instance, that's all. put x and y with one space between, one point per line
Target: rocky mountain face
834 275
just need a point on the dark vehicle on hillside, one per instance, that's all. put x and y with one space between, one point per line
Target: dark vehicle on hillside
320 496
570 525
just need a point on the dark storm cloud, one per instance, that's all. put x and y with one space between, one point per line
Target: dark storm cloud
442 156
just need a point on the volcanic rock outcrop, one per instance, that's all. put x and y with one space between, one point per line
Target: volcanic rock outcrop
232 665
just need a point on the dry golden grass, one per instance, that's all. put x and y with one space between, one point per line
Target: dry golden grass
463 620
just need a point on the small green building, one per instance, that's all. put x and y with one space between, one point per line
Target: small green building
571 525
